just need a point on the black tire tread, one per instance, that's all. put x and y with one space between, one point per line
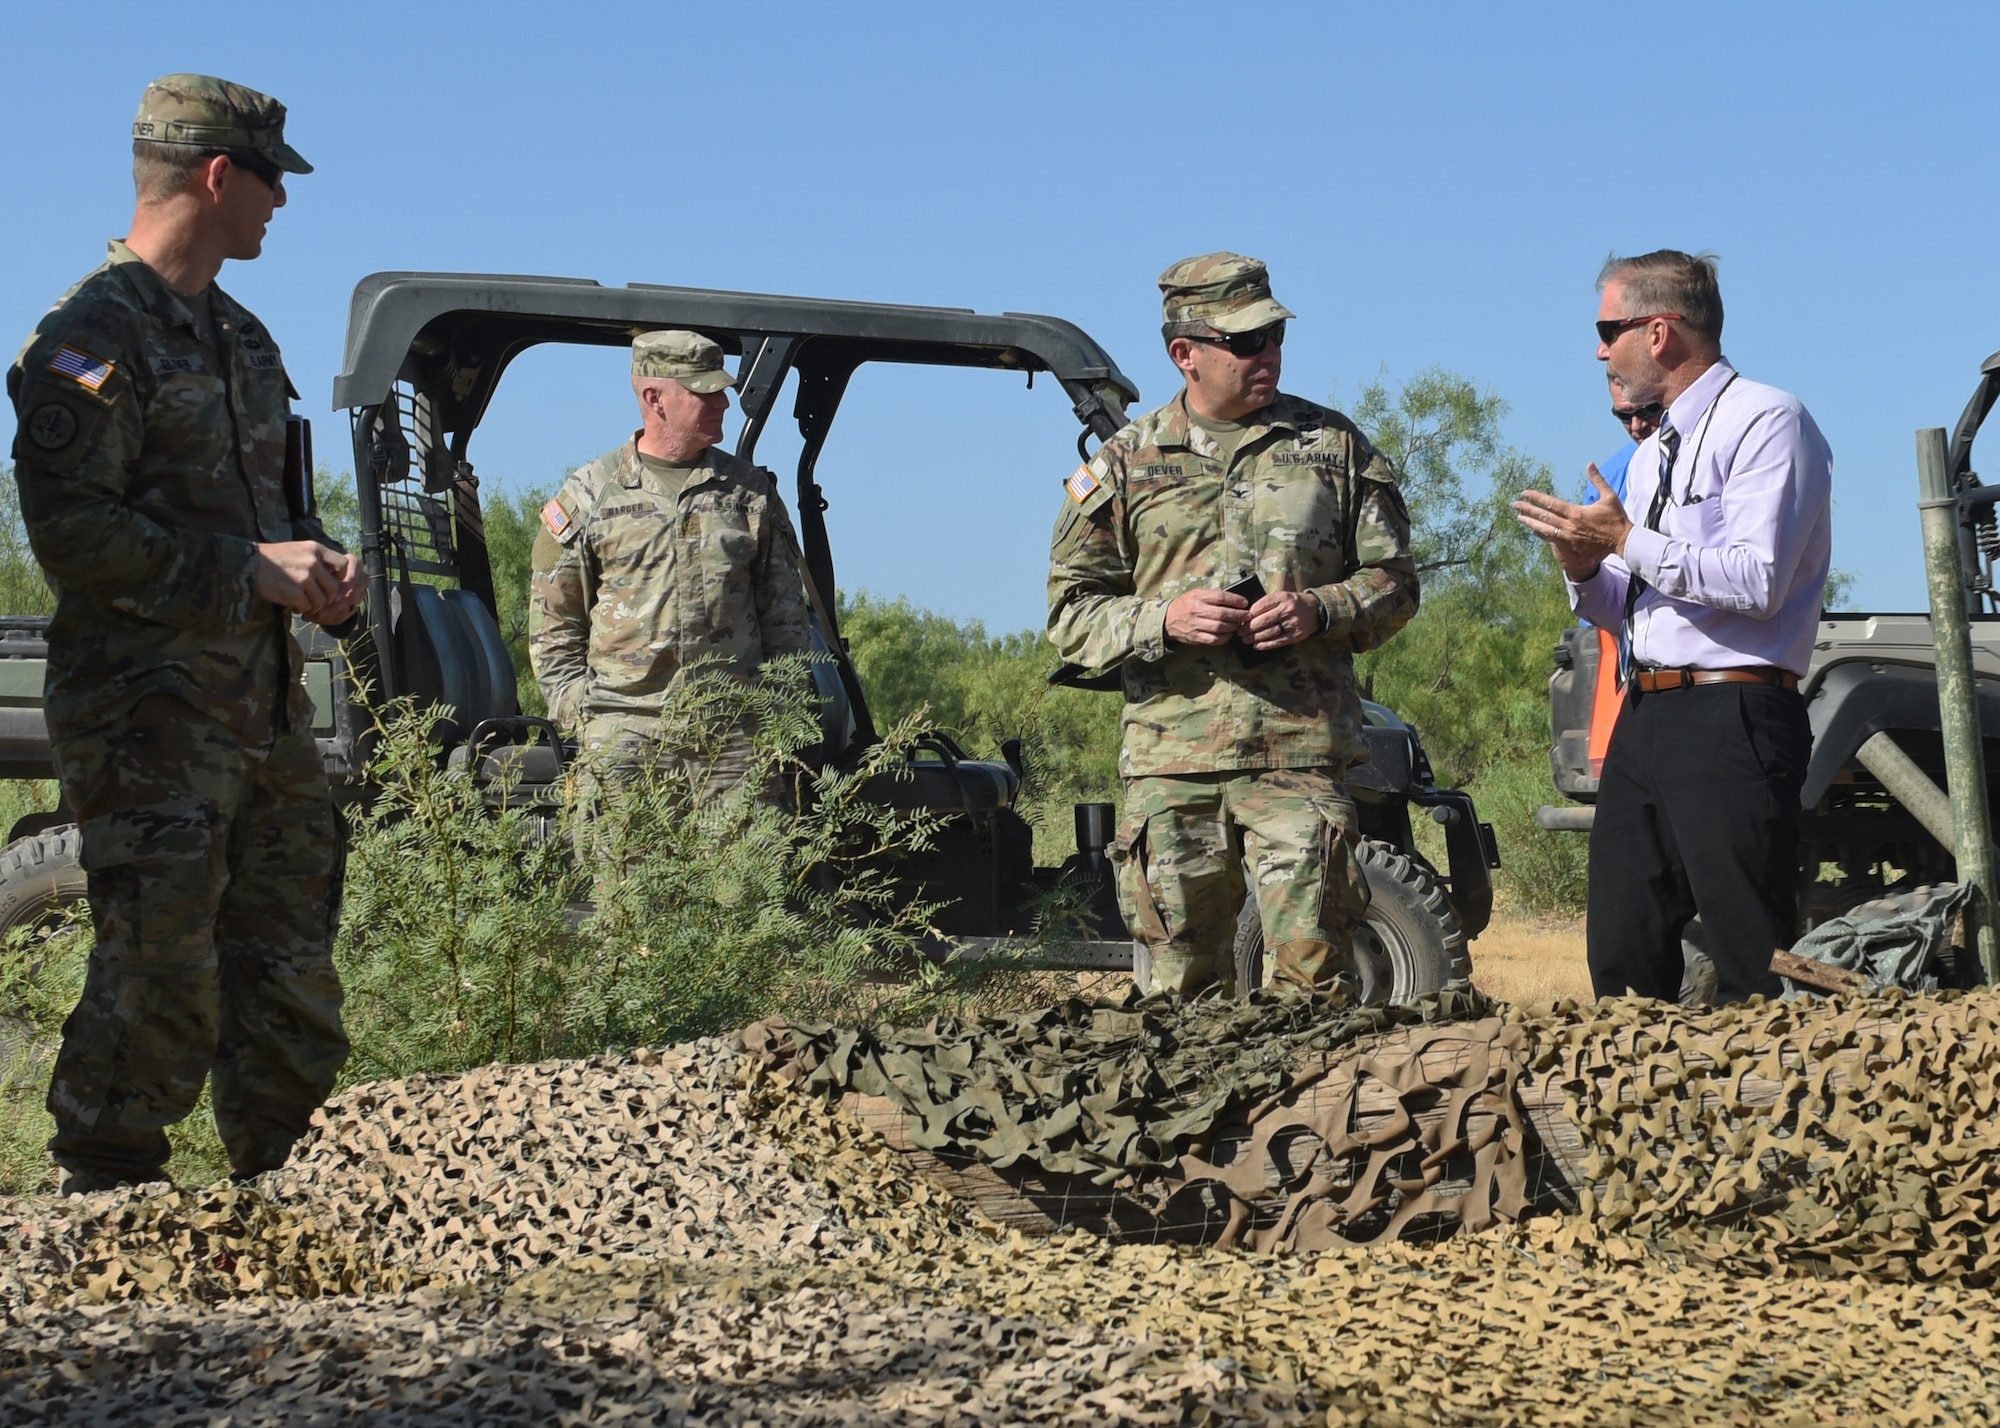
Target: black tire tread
37 869
1425 891
1430 896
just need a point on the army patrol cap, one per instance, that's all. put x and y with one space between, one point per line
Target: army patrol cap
203 112
689 358
1229 292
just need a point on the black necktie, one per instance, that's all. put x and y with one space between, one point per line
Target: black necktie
1670 445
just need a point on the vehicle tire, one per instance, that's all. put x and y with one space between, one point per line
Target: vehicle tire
1409 945
40 876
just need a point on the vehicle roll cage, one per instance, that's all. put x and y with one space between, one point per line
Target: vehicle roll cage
449 338
1978 531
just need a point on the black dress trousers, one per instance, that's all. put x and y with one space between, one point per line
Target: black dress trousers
1697 813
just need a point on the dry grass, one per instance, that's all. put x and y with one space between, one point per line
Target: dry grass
1520 959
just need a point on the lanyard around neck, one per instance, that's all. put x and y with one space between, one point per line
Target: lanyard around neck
1701 435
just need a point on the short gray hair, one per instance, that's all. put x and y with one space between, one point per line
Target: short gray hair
1192 328
1670 281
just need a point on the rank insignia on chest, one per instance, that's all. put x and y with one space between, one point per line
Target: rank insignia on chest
556 519
80 367
1081 484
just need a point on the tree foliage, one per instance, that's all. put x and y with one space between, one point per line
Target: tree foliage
1471 670
984 689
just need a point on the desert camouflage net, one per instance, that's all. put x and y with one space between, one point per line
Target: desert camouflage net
716 1247
1848 1135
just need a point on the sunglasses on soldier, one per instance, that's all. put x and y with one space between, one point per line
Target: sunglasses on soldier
255 163
1246 344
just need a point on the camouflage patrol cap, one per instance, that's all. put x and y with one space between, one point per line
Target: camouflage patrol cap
1229 292
203 112
689 358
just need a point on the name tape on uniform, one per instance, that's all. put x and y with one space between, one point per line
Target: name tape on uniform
80 367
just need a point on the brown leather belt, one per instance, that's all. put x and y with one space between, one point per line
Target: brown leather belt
1658 681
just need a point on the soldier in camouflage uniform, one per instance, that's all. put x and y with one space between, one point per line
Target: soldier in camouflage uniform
150 455
1241 714
659 552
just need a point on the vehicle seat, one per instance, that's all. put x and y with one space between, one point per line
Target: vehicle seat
836 709
498 684
450 652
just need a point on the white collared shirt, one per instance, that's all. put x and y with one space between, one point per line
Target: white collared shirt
1737 570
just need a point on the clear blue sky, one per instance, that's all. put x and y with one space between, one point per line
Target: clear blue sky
1431 184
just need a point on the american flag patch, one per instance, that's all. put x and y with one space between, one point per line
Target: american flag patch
555 518
1081 484
82 368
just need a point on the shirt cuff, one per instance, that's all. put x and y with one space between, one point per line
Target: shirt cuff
236 564
1645 552
1149 631
1329 600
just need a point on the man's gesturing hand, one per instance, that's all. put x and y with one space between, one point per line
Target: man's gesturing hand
1281 618
1206 617
1579 536
309 579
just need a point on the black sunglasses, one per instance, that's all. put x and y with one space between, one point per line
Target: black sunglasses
1608 328
1625 416
1246 344
257 164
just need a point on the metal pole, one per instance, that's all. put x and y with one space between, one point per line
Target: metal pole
1958 699
1910 786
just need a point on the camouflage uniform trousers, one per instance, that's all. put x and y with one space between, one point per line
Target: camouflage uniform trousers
1184 848
214 877
621 748
619 751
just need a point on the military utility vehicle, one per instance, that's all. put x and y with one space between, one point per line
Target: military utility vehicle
426 353
1870 674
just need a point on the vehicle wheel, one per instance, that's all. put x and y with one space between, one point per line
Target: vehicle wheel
40 877
1409 946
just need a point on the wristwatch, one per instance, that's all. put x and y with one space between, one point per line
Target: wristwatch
1325 615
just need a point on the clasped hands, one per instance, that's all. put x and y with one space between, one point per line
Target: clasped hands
313 581
1215 617
1579 536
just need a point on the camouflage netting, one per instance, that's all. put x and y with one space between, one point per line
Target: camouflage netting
1785 1223
1260 1122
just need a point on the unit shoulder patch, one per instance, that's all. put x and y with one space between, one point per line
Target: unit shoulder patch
51 426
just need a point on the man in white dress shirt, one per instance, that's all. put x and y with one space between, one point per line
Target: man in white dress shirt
1717 589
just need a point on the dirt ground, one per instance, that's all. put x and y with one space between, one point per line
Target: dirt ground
1525 960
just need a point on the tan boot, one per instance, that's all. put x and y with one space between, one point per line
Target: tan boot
1311 964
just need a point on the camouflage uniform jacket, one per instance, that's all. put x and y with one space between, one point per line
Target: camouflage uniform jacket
1305 504
631 582
151 466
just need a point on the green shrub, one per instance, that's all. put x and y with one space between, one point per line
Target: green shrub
472 934
1542 874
